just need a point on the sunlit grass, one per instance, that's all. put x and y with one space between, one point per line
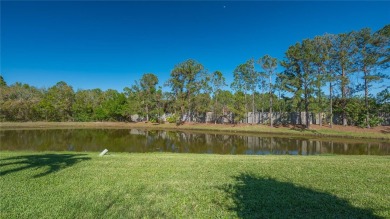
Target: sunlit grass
122 185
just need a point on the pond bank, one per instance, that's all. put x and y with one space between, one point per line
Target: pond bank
381 132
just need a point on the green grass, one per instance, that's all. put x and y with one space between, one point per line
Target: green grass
155 185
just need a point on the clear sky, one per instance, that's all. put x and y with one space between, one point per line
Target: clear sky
101 44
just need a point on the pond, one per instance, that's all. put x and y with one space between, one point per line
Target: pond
142 141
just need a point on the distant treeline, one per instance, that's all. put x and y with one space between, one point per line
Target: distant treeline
330 62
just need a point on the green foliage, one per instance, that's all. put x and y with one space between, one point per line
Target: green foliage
384 35
113 105
86 103
2 82
153 120
134 101
308 65
375 121
245 79
383 100
371 48
238 107
148 91
20 102
299 77
217 81
187 80
57 103
173 118
269 65
225 103
356 111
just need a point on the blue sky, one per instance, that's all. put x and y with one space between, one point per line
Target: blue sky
101 44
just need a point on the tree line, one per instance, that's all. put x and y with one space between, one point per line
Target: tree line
346 65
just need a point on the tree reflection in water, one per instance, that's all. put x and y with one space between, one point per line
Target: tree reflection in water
136 140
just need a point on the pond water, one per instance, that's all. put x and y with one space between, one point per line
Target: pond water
141 141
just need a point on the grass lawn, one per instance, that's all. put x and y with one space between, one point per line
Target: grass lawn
164 185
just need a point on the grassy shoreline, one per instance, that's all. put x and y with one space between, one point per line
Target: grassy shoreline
383 134
165 185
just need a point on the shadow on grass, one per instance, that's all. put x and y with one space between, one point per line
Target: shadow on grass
49 162
267 198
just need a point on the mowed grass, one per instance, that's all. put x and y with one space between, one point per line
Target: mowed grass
164 185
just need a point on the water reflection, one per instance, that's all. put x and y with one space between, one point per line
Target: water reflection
135 140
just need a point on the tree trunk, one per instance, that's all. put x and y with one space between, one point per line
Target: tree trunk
300 112
366 97
331 104
215 111
189 110
253 108
319 118
270 102
183 110
343 96
246 110
307 108
262 114
320 108
147 113
223 114
307 115
280 108
270 111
